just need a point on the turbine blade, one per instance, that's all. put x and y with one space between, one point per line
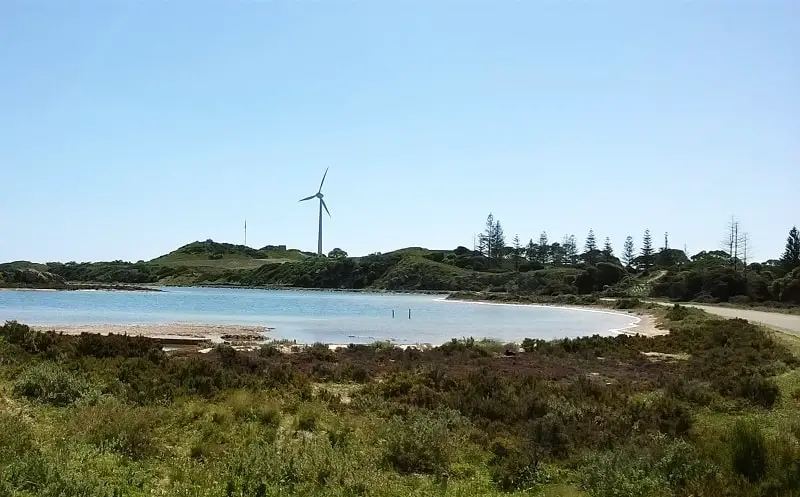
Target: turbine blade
326 207
307 198
323 179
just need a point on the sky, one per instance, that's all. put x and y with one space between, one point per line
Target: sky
130 128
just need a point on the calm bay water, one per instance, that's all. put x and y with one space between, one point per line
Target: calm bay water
311 316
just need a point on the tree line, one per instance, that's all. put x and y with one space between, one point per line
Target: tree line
491 243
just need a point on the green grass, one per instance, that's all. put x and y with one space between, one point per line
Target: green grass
210 254
416 251
791 342
228 261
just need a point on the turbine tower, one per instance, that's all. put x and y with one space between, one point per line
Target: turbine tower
319 195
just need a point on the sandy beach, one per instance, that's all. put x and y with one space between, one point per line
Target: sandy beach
645 324
214 333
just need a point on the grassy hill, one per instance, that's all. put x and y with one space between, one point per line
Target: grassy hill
227 256
11 266
411 268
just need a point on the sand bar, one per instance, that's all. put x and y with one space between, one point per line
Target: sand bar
216 333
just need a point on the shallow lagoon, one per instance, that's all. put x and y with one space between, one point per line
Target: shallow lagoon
312 316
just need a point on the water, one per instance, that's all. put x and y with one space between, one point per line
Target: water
311 316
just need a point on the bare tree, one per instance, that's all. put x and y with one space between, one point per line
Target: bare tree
746 247
733 242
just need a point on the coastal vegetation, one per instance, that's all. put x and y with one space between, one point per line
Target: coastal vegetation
538 268
710 409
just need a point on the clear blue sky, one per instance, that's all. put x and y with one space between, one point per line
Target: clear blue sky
130 128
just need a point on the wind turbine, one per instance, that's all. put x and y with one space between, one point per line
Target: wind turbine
319 195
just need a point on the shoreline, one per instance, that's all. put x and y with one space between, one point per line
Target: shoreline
185 332
89 287
197 333
161 287
644 324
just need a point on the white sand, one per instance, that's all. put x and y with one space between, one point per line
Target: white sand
645 324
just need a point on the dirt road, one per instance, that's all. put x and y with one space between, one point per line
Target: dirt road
787 323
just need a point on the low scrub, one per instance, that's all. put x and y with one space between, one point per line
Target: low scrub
50 383
114 425
420 443
111 416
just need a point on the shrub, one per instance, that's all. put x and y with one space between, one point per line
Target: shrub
94 345
683 469
739 300
219 415
30 340
784 473
197 376
321 352
268 415
339 434
16 437
355 372
308 416
124 428
513 468
269 350
671 416
760 391
612 475
418 444
465 346
692 391
749 456
49 383
248 406
677 313
549 433
630 303
227 354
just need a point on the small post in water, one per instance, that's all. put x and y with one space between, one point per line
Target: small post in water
409 314
392 313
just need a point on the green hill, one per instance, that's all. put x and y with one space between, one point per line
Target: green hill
227 256
407 269
11 266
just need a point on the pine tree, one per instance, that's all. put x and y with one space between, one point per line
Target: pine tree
647 250
628 252
498 241
590 248
791 257
557 253
485 239
608 251
517 252
531 251
544 249
591 242
570 249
